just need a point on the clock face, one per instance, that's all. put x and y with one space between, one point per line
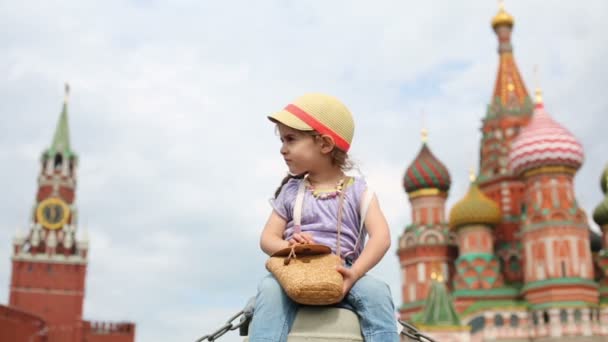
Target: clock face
53 213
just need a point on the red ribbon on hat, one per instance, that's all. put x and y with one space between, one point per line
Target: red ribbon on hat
318 126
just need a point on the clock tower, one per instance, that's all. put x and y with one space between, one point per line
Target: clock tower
49 261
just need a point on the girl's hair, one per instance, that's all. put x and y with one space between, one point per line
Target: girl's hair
338 158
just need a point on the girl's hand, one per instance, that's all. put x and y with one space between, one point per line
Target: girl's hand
301 238
350 278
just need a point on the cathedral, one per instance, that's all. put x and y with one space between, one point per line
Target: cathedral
515 259
49 261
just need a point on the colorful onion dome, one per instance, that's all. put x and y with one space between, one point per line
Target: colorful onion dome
426 172
474 208
600 214
544 142
502 17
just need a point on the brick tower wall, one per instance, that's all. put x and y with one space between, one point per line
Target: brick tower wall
53 291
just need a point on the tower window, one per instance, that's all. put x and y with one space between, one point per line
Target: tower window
563 316
72 162
514 322
58 160
578 315
498 320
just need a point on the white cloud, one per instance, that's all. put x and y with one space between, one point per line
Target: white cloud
177 160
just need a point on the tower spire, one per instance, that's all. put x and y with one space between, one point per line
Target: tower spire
538 92
509 91
424 133
61 138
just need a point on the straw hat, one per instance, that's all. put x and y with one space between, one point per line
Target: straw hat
322 113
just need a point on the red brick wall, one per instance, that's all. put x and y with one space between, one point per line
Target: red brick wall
16 325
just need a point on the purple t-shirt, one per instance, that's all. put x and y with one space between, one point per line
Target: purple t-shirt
320 216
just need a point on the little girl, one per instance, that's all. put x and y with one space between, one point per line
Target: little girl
316 132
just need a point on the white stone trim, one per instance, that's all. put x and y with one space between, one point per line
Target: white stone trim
56 258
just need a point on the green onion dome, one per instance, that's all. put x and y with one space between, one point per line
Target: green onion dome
474 208
595 241
604 180
600 214
426 172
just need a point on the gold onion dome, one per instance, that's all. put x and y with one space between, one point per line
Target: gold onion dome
502 18
474 208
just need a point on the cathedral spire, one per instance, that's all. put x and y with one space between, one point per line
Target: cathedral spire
510 94
61 139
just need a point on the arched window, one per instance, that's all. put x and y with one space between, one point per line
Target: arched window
477 324
563 316
58 160
498 320
72 164
513 264
534 318
578 315
514 321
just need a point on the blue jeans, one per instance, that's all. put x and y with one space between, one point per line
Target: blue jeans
369 297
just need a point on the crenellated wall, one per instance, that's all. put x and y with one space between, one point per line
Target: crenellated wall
97 331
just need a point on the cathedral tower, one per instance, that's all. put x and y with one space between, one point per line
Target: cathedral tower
427 245
49 262
555 236
508 111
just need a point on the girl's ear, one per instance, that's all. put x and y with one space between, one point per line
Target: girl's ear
327 144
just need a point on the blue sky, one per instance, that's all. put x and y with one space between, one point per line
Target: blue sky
177 160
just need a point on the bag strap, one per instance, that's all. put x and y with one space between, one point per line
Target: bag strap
297 207
339 223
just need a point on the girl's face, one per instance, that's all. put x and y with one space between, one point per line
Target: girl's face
300 150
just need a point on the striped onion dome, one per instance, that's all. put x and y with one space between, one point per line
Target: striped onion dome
474 208
426 172
544 142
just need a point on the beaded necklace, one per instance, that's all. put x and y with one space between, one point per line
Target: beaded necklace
325 194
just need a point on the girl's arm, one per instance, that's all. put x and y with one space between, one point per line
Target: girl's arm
378 244
272 235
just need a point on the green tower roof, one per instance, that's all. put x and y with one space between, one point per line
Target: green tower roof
61 139
438 307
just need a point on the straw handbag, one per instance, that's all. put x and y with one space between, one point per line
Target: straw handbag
307 272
